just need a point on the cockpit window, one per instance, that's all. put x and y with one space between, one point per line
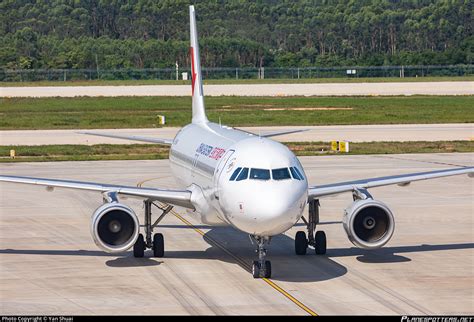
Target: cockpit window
243 174
295 174
299 173
234 175
259 174
281 174
240 174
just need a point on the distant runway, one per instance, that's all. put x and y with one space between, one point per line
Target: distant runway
49 264
316 89
352 133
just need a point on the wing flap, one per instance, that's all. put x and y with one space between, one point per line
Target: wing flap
176 197
402 180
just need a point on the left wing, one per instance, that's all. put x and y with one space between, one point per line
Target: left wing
315 192
131 137
175 197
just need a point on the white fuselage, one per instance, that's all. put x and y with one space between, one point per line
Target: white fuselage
264 198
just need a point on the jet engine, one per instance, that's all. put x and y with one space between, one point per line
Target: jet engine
368 223
114 227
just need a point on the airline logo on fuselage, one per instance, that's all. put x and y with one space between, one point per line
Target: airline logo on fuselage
210 151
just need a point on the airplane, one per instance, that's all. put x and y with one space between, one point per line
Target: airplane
233 177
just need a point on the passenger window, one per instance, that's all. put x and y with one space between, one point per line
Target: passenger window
295 174
243 175
281 174
260 174
299 173
236 172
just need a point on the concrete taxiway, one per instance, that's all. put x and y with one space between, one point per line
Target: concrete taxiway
352 133
316 89
50 265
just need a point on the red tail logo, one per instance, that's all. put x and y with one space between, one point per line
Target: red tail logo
193 81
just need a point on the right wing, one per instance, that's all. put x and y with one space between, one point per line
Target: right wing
131 137
176 197
315 192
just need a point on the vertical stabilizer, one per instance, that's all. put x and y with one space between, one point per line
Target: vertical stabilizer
199 112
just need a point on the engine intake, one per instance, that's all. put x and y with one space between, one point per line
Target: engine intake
368 223
114 227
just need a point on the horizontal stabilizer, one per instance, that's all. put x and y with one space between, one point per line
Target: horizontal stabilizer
276 133
131 137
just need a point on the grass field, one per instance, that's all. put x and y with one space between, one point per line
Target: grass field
141 112
239 81
150 152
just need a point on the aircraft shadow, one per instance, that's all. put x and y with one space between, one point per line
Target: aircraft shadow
123 260
387 254
286 266
130 261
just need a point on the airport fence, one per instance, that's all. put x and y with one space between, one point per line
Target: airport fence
30 75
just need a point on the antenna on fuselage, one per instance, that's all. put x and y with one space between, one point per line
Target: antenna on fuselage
199 112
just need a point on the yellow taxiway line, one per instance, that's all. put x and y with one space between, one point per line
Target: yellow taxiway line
246 266
239 260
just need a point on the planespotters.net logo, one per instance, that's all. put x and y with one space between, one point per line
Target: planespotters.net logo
437 319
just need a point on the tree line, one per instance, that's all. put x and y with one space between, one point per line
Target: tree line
237 33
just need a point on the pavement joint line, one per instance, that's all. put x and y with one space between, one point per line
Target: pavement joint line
239 260
423 161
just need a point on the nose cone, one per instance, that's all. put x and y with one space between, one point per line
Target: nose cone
264 204
269 210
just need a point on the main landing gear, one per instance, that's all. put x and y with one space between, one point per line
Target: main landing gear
318 239
261 267
157 244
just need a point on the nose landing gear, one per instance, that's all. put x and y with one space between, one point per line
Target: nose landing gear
261 267
318 239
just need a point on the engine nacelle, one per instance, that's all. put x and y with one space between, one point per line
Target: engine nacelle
114 227
368 223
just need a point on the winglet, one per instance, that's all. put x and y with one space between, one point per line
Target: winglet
199 112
